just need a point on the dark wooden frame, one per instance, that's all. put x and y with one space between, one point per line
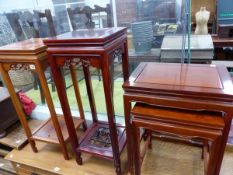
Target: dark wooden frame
95 47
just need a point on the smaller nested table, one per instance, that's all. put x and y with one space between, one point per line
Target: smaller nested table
97 48
194 87
30 55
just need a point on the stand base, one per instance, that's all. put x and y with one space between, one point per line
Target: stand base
96 140
47 133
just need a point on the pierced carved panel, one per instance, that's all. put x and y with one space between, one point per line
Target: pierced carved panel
77 62
116 54
21 67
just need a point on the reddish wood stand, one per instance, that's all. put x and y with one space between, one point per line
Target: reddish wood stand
30 55
94 47
194 87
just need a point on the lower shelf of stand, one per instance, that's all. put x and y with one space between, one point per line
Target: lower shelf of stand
46 132
97 150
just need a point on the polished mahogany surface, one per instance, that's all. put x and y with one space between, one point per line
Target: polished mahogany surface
198 118
185 124
182 79
183 86
87 37
30 46
97 48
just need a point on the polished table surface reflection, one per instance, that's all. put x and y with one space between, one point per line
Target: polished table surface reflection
189 86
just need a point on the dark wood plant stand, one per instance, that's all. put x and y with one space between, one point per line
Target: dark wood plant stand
194 87
30 55
98 48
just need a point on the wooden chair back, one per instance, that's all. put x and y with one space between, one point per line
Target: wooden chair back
88 12
48 16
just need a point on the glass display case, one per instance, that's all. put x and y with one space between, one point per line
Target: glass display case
158 30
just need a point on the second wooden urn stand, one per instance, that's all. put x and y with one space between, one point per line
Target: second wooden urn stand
97 48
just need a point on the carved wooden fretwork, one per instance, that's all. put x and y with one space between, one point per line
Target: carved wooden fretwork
22 67
77 62
86 63
116 53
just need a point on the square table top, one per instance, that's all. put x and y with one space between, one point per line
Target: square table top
181 79
26 47
81 37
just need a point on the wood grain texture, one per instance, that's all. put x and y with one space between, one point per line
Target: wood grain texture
86 37
204 96
16 137
89 47
183 123
208 80
34 45
30 55
46 132
200 118
181 75
163 159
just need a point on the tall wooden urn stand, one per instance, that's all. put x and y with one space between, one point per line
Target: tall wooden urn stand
97 48
30 55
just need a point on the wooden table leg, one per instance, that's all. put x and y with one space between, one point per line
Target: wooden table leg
213 158
77 95
127 106
87 77
61 90
110 111
125 61
127 109
49 101
18 106
136 150
228 120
